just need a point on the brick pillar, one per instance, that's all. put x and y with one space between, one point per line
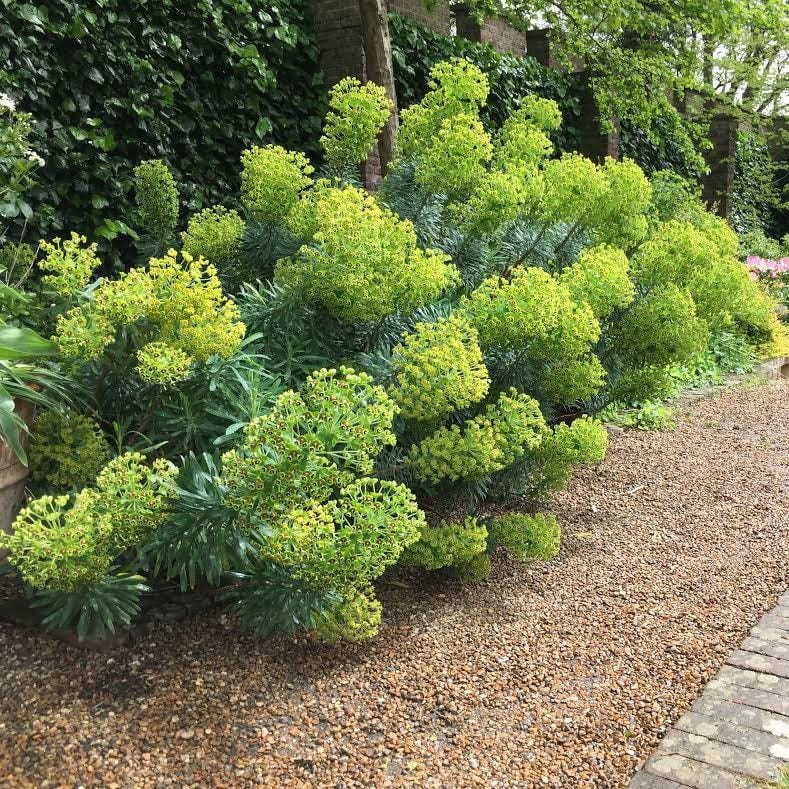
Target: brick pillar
538 46
438 19
338 29
717 186
595 143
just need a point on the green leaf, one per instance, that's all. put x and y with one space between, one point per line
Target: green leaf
22 343
11 426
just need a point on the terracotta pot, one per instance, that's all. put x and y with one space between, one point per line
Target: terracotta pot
13 474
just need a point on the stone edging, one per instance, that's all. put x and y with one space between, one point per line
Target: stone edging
736 735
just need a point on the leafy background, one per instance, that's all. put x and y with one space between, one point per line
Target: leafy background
112 82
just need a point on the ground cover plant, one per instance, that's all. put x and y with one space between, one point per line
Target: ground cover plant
322 383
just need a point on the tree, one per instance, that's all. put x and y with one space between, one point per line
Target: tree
637 51
749 67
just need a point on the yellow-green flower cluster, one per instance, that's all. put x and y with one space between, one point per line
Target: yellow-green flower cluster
600 277
447 544
660 329
674 253
135 496
83 333
439 369
573 380
532 313
69 264
551 463
357 113
64 544
57 546
522 142
310 443
66 449
456 87
477 568
527 536
363 262
183 300
574 189
271 181
297 473
497 199
16 258
543 113
621 219
702 262
157 197
357 618
489 442
163 364
214 234
585 440
455 161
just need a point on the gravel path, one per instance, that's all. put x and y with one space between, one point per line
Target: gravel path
562 674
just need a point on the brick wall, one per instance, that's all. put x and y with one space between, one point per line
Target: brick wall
492 31
439 19
338 30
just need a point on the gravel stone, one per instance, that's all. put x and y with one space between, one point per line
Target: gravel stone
565 674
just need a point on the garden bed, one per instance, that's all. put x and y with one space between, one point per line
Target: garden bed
565 673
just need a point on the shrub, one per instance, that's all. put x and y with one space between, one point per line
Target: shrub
490 293
600 278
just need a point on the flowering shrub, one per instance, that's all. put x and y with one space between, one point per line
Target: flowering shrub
488 294
773 275
193 320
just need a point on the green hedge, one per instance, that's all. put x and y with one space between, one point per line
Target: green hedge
112 82
658 148
755 198
416 49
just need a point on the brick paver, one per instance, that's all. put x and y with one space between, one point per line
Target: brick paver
737 734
